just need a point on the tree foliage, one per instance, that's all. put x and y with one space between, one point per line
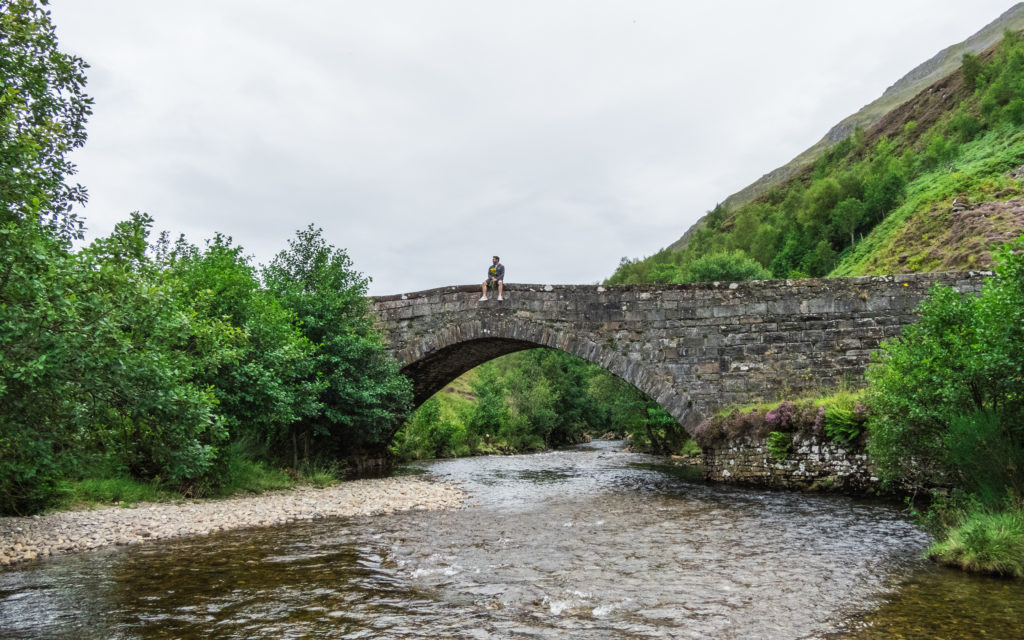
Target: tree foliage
269 383
363 398
725 266
43 110
946 396
148 359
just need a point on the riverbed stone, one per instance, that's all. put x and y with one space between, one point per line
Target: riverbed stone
28 538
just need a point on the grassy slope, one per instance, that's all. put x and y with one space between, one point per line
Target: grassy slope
926 234
457 396
906 88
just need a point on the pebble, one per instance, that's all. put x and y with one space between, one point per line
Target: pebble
27 538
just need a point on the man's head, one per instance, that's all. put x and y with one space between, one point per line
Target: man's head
494 259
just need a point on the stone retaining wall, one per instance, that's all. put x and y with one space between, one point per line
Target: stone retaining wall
812 463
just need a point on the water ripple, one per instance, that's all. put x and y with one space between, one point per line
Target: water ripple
588 543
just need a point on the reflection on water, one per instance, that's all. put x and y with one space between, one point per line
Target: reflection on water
938 602
588 543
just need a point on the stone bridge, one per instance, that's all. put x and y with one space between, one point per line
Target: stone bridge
690 347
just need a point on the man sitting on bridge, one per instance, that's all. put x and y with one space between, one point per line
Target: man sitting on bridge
495 274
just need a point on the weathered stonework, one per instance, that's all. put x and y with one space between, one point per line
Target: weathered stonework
691 347
810 464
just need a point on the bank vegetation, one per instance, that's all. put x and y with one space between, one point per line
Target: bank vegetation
141 364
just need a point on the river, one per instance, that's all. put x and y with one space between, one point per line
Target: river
589 542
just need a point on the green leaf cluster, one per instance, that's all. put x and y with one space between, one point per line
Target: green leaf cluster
778 445
362 399
946 396
43 110
150 360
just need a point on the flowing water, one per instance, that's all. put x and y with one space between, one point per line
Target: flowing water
585 543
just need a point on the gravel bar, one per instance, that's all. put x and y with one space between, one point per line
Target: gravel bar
28 538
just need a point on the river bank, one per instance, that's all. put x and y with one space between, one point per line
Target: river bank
28 538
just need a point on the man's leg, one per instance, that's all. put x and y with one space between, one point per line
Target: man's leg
483 292
500 283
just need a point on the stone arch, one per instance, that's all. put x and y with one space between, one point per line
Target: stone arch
690 347
434 359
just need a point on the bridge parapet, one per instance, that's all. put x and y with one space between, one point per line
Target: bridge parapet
691 347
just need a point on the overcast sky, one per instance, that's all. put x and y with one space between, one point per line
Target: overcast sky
423 137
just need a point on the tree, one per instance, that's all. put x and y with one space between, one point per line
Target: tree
365 400
820 260
766 244
664 433
787 260
741 236
135 357
734 265
964 125
662 272
490 413
818 203
42 111
533 416
101 367
883 188
970 68
270 384
946 396
621 407
847 217
716 216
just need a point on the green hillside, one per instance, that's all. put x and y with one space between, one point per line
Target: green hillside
918 79
933 185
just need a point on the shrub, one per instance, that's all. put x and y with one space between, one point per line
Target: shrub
750 424
778 444
985 542
843 418
690 448
839 416
709 432
783 417
983 455
725 266
1014 111
964 126
954 378
970 68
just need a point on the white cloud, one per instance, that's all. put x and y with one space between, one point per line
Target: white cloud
425 137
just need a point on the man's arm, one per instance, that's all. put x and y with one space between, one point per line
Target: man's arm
501 272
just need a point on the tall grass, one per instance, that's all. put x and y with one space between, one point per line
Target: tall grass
111 490
986 542
245 473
